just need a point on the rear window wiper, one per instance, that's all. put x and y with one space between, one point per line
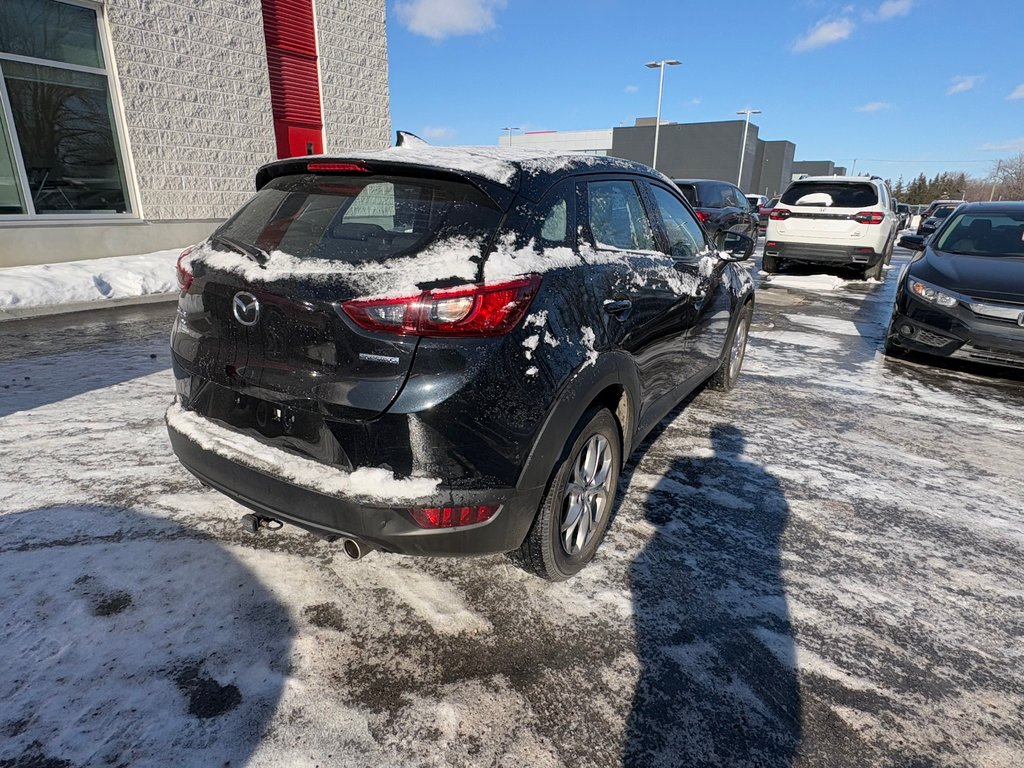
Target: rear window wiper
253 252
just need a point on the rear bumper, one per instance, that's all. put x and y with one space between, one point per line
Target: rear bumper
814 253
384 523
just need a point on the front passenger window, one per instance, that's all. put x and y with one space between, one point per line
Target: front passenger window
685 237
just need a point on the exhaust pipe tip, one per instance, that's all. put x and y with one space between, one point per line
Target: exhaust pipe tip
355 549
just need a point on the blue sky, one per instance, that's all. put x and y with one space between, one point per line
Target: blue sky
894 80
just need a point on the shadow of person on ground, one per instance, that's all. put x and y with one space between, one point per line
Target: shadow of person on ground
129 641
718 683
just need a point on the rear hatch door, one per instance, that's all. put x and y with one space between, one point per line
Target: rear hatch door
315 241
827 211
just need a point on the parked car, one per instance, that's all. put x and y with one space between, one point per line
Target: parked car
903 211
448 352
833 220
756 201
720 206
764 212
962 295
934 215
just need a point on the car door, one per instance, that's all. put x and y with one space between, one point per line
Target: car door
646 311
700 269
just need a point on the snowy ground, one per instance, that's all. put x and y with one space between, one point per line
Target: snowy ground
92 280
822 568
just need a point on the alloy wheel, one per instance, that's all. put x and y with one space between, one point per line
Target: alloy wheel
586 494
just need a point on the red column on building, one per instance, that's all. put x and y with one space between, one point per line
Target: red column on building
290 31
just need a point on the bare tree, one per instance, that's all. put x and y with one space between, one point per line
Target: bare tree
1008 178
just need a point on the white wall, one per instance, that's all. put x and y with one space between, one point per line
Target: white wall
196 95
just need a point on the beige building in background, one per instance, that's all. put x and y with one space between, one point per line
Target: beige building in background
129 126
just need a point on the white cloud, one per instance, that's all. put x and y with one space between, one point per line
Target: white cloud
962 83
632 88
824 33
695 101
1017 93
1013 145
438 19
438 132
874 106
890 9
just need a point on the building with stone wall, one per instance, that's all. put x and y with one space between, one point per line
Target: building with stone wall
129 126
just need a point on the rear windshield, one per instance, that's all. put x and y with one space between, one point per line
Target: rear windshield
987 234
943 211
689 192
825 194
355 218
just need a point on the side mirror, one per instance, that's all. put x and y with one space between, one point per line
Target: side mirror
734 245
913 242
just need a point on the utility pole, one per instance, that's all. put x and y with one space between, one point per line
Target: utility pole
995 180
510 129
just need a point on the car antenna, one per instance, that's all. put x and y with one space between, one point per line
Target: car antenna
408 139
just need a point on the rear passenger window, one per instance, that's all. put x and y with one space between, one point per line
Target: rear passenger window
617 216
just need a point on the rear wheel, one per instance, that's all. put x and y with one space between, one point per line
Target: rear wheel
573 517
875 271
725 377
770 264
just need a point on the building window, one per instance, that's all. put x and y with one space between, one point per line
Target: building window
60 148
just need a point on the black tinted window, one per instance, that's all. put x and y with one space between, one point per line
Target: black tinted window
830 195
987 234
360 217
690 193
685 236
712 195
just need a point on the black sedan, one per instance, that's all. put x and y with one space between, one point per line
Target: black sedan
962 295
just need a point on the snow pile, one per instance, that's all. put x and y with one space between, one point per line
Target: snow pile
118 277
363 483
804 282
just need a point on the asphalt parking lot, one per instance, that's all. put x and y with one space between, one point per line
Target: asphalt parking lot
821 568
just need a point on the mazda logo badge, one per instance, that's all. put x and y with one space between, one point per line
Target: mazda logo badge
246 308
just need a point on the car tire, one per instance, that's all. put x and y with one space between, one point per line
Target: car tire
549 552
769 264
724 379
876 271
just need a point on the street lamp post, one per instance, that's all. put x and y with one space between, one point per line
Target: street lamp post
510 129
661 85
743 146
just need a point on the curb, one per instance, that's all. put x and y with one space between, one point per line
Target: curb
23 313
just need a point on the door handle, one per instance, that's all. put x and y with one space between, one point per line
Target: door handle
617 308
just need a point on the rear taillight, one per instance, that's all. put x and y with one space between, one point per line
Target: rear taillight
703 216
452 517
779 214
479 310
336 168
184 270
869 217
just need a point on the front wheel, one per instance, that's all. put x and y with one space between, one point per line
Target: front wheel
573 517
724 379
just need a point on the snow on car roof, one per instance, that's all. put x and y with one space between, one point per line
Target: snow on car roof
498 164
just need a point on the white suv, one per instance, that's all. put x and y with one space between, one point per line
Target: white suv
834 220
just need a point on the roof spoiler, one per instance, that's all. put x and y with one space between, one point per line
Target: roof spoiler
409 139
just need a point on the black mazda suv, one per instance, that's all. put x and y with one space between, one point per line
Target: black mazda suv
448 351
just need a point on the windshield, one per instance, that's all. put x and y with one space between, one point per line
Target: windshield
830 195
943 211
984 234
359 217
